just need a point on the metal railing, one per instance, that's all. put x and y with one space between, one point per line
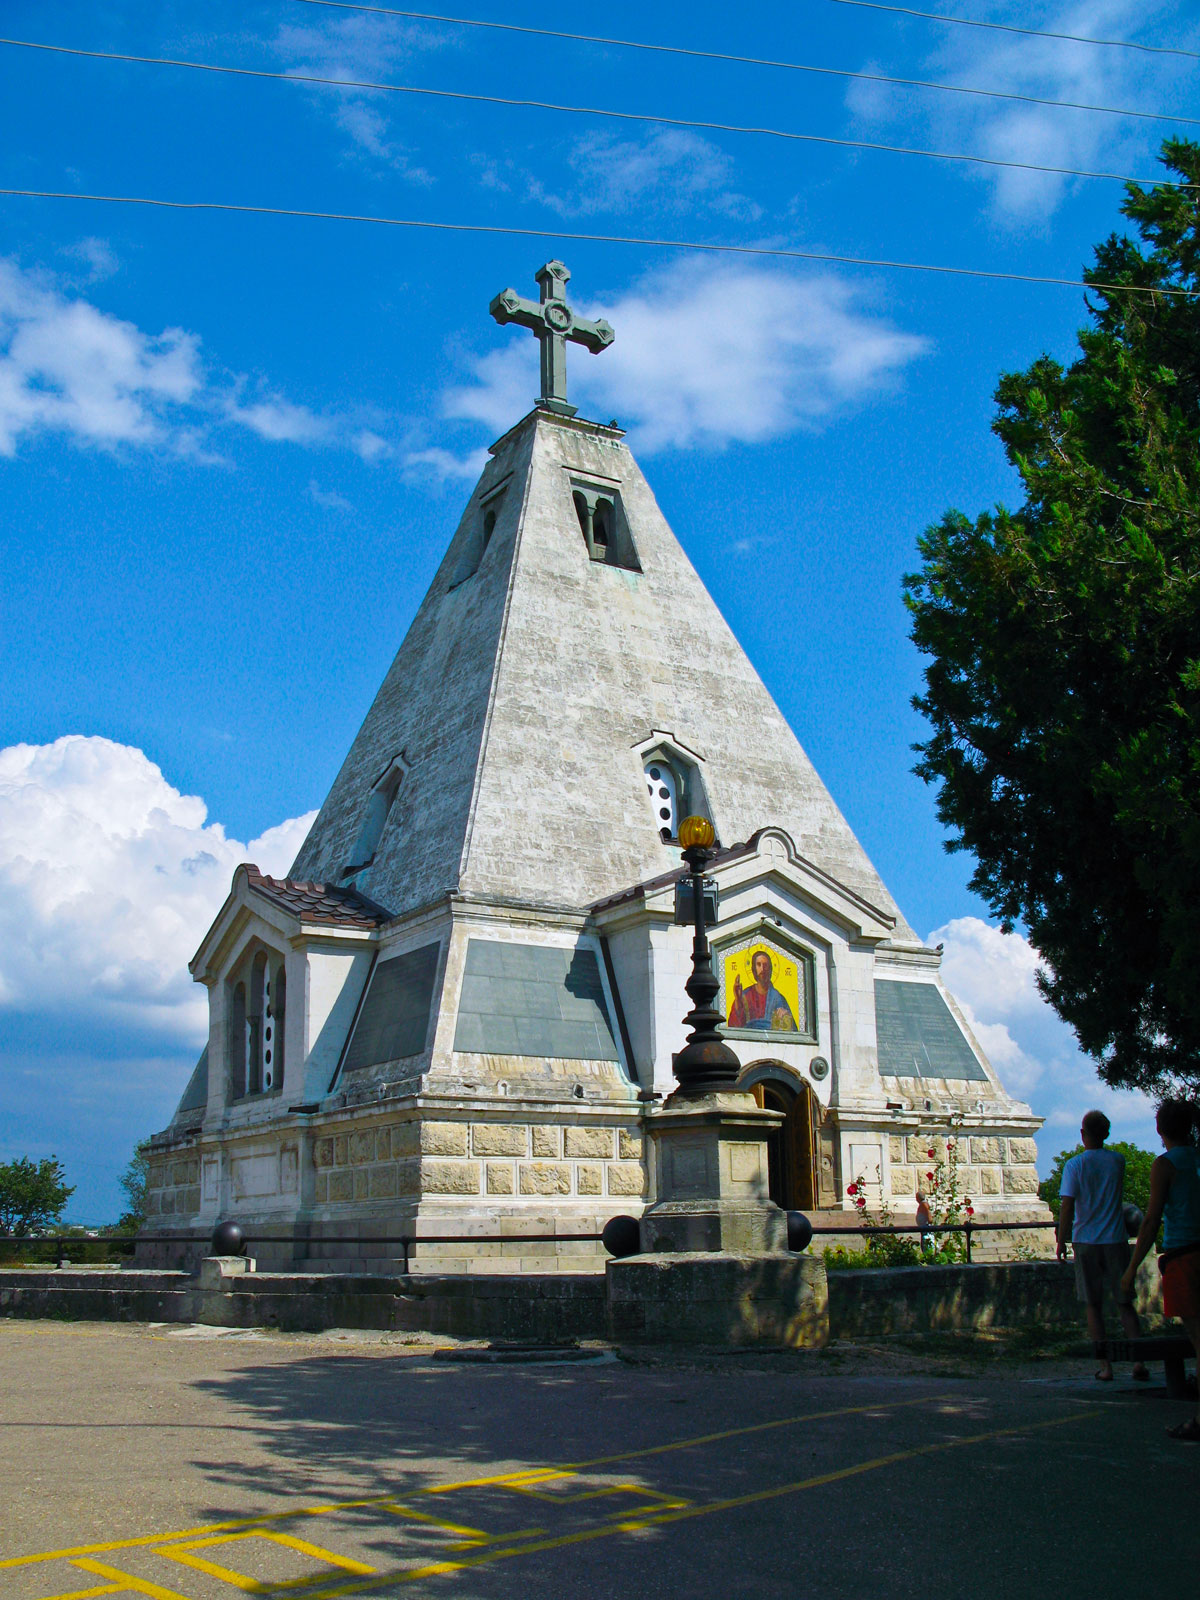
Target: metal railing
932 1230
408 1241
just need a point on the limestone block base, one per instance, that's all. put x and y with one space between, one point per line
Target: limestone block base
710 1167
215 1269
673 1226
719 1298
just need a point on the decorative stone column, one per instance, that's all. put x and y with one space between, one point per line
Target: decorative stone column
709 1170
714 1267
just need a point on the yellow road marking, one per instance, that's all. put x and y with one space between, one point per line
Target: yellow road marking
657 1519
499 1480
120 1584
184 1553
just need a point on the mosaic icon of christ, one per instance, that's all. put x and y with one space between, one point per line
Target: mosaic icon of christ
761 1006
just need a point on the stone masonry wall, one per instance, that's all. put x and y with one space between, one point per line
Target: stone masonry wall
172 1187
503 1161
992 1167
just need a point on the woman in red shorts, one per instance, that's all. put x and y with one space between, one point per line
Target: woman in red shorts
1175 1201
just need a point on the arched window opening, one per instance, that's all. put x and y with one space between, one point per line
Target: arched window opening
603 525
237 1042
379 805
675 788
257 1004
278 1013
663 786
584 512
474 538
256 1025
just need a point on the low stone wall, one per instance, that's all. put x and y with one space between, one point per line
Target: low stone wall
866 1304
524 1307
876 1302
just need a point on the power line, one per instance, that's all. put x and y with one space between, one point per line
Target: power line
600 238
1029 33
752 61
586 111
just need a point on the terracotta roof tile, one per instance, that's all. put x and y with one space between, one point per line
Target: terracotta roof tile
331 903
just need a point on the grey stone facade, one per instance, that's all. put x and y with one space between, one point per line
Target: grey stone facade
455 1016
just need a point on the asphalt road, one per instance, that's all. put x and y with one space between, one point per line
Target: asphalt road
186 1464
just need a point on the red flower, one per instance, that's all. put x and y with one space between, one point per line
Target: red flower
929 1175
931 1154
852 1188
970 1211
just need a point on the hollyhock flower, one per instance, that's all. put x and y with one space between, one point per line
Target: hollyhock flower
970 1211
851 1188
931 1154
929 1175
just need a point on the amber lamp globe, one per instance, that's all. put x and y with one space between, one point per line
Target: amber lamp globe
696 832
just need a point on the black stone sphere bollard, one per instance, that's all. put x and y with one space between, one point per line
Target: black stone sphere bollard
228 1240
621 1236
799 1231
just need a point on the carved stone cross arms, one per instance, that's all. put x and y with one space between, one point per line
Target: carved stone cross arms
553 321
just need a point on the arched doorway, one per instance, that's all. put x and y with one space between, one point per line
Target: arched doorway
801 1152
791 1180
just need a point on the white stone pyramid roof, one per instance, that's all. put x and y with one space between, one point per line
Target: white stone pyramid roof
524 693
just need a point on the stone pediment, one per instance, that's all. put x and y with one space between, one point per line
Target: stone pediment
290 907
768 859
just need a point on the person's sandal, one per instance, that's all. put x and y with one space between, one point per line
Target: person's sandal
1188 1432
1140 1373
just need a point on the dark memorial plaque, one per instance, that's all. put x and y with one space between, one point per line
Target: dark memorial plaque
533 1000
918 1036
394 1019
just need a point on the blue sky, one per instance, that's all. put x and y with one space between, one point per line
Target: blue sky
233 447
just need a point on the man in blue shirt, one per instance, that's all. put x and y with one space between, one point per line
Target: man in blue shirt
1091 1218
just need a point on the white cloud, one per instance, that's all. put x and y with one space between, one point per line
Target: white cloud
97 256
711 352
672 168
278 420
366 49
992 976
1046 69
369 446
67 367
327 499
109 877
443 466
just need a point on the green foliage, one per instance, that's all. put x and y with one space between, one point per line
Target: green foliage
948 1207
32 1195
893 1250
1137 1175
1063 689
883 1249
133 1180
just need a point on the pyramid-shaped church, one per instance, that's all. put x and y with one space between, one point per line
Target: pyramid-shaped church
455 1016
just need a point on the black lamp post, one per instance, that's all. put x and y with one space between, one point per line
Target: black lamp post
706 1063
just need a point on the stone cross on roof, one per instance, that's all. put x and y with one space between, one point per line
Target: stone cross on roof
553 321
